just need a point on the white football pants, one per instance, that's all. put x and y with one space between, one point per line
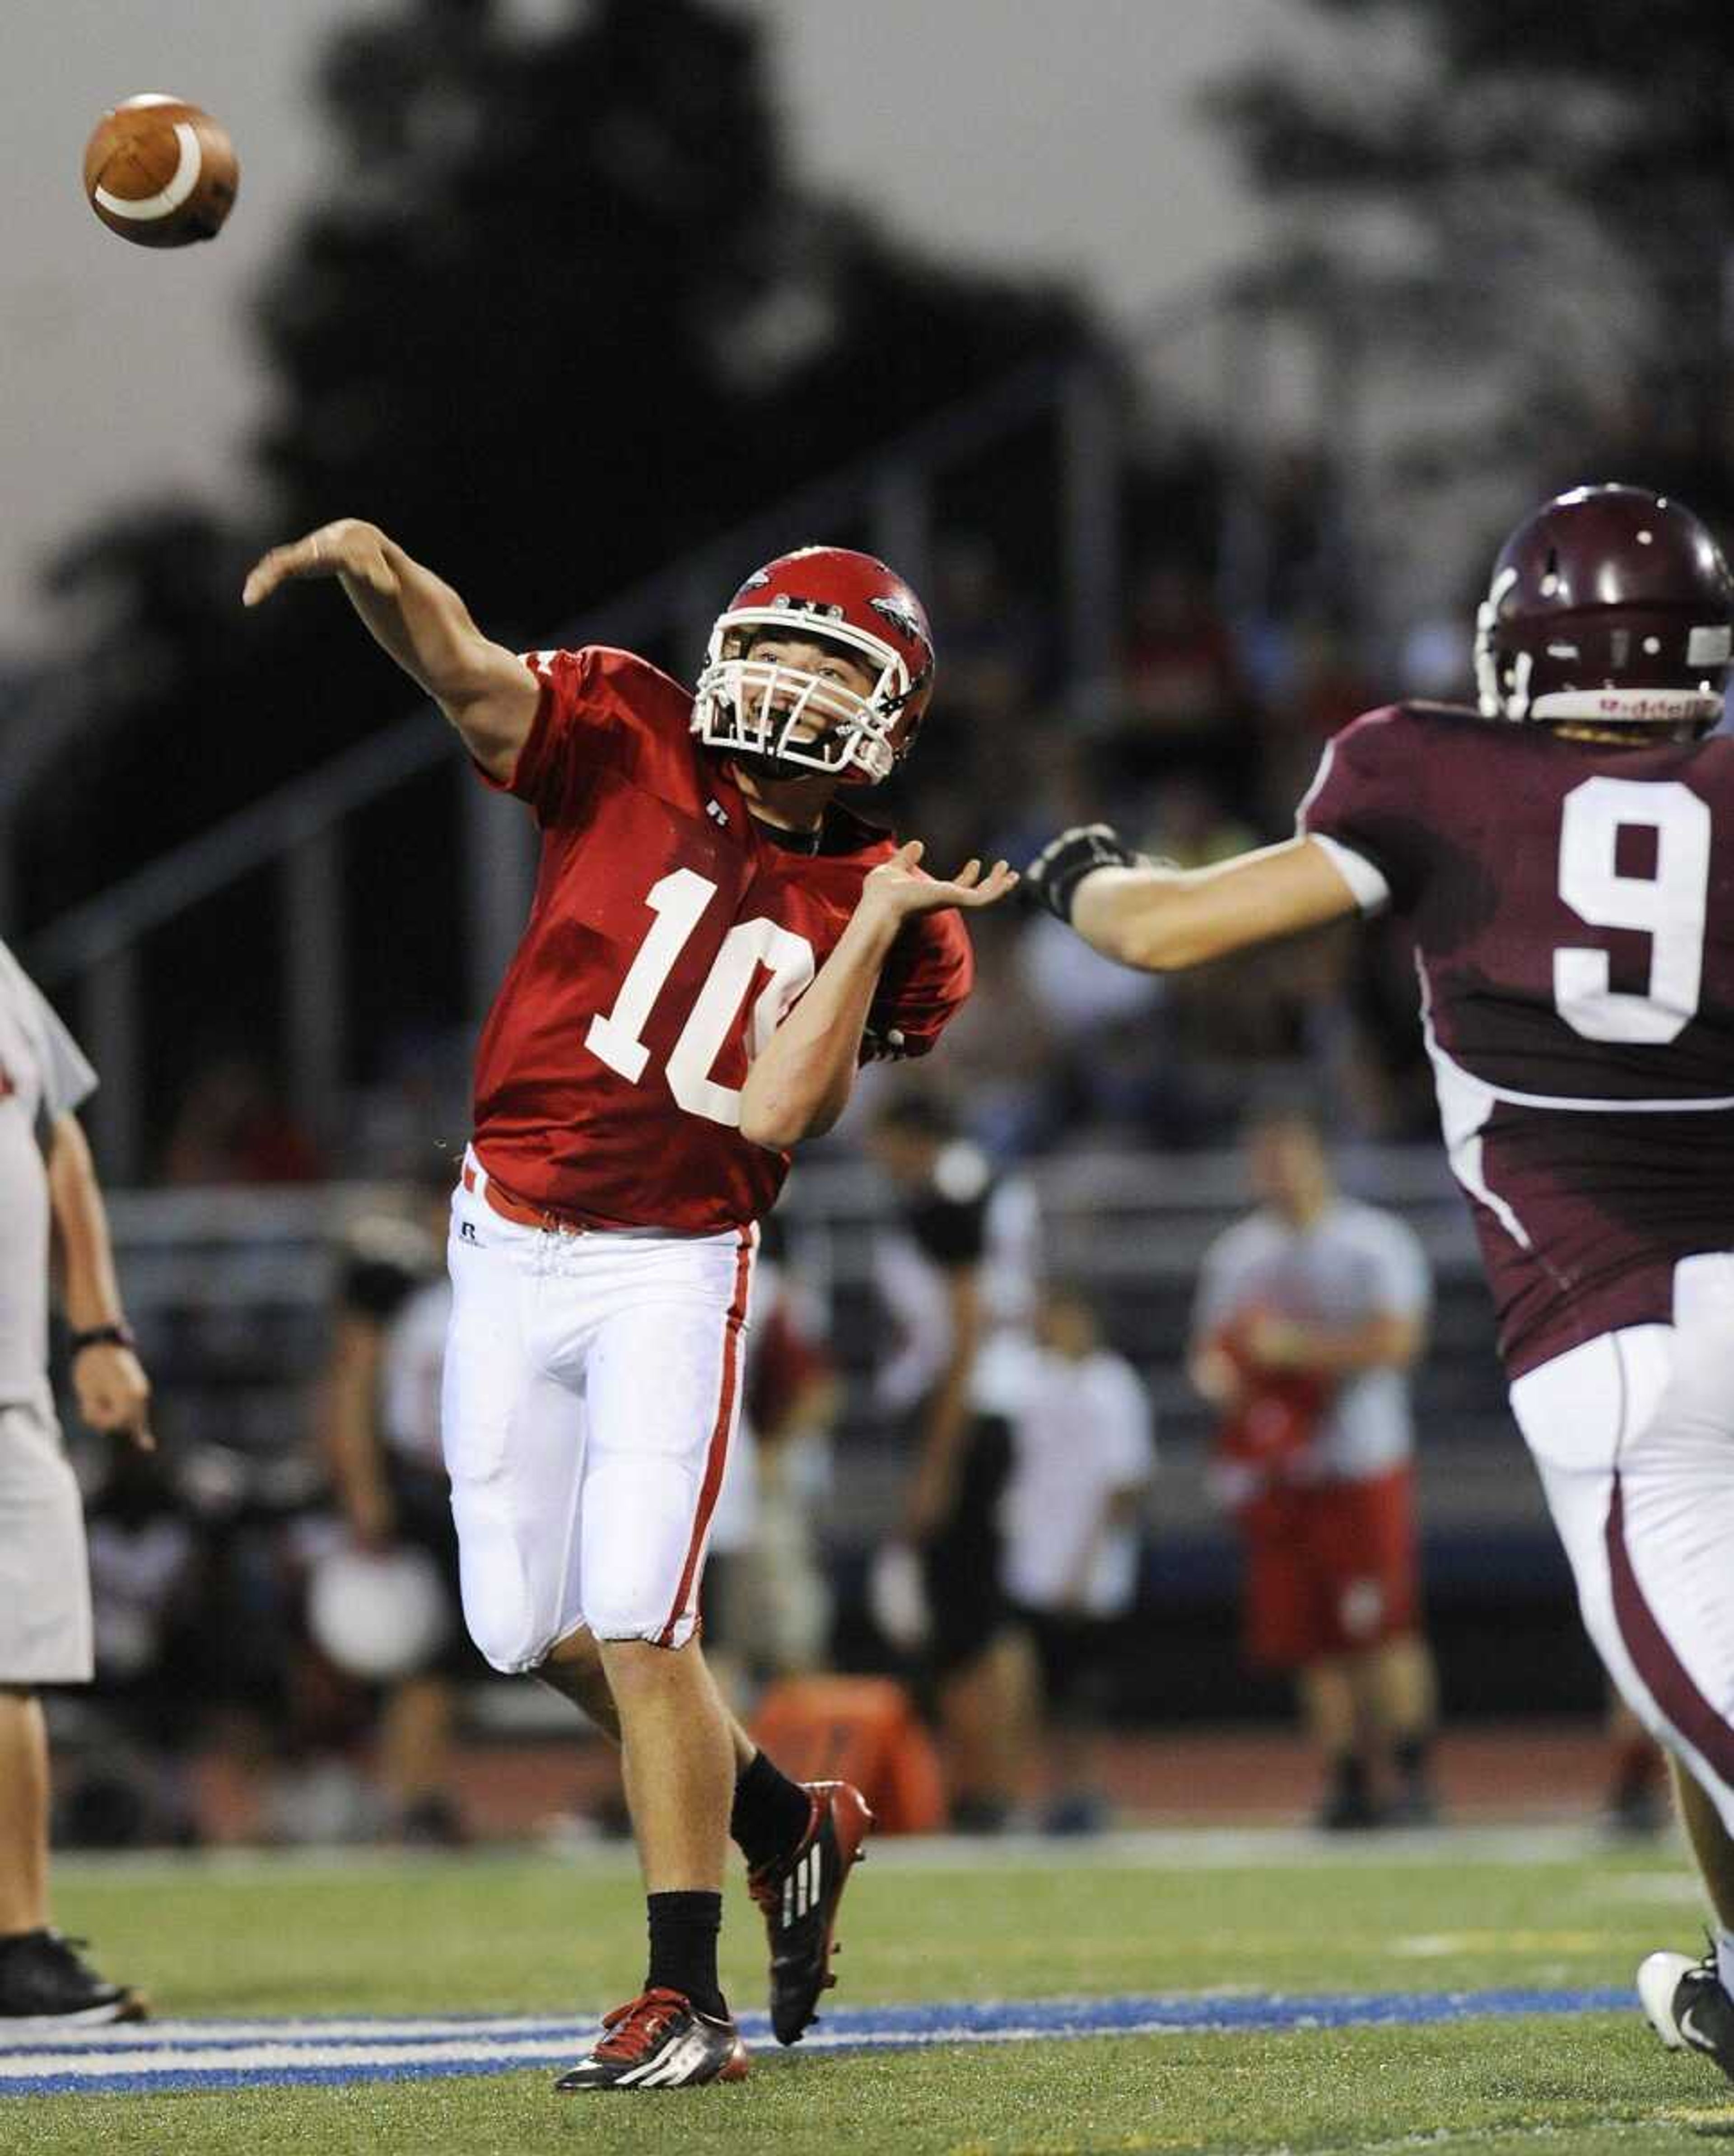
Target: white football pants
1634 1436
591 1391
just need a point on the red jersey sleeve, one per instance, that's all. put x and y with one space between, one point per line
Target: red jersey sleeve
926 979
594 703
1366 807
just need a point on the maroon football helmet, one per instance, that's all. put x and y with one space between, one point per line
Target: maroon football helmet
1610 603
761 708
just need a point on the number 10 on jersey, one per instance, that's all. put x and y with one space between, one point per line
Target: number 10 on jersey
679 901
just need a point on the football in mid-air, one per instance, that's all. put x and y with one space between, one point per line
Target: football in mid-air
160 171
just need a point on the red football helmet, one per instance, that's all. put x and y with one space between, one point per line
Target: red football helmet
1608 603
761 708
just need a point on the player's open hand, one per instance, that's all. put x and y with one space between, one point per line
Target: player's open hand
900 887
349 548
113 1391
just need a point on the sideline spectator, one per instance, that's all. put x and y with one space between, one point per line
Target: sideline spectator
1311 1314
959 1279
1084 1458
380 1434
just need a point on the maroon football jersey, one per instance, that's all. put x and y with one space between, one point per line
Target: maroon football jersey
668 936
1573 911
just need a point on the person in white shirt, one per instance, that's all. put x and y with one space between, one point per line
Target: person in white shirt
1083 1454
53 1213
1311 1314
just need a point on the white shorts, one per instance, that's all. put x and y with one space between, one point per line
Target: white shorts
591 1391
45 1628
1634 1436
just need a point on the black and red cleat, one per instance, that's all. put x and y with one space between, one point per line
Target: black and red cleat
659 2040
798 1897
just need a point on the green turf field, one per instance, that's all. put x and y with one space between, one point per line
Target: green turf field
1173 1916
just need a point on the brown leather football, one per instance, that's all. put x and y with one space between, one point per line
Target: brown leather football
160 171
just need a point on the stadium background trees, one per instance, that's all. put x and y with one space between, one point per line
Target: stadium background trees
1519 216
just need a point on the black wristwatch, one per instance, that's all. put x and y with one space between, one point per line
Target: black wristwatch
101 1336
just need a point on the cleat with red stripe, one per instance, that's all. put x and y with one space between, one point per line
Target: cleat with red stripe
798 1897
659 2040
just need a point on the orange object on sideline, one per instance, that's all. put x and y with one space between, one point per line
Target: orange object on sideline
863 1730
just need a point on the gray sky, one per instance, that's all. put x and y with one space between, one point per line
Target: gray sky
1056 137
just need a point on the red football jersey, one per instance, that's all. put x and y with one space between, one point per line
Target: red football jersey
1572 910
670 936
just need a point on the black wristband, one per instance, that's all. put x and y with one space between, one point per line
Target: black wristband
1053 877
101 1336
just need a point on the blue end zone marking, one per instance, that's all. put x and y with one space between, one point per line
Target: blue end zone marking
119 2062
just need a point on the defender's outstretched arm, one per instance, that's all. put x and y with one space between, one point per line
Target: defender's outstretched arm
486 691
1162 919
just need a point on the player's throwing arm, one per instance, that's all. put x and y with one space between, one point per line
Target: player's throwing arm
486 691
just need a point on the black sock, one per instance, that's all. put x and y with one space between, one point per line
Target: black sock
683 1948
1349 1778
1409 1755
771 1814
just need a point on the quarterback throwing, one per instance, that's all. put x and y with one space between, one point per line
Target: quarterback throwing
716 942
